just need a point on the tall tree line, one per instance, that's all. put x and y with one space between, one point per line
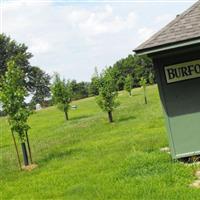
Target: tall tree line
133 66
18 79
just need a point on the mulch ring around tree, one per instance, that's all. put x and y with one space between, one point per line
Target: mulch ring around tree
29 167
196 183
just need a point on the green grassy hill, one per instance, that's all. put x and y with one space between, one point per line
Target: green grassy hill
87 158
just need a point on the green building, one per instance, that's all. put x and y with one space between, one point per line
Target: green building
175 51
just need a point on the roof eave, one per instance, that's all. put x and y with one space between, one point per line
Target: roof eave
166 47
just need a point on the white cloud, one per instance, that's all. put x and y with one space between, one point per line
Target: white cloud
145 33
99 23
74 38
39 46
102 21
160 21
68 39
30 19
165 18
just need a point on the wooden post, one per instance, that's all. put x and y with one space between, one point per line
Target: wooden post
29 148
110 116
24 152
18 158
66 115
145 95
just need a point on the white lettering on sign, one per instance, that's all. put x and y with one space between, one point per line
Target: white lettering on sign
182 71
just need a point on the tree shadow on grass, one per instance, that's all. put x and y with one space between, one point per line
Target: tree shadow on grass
4 146
126 118
79 117
57 155
137 94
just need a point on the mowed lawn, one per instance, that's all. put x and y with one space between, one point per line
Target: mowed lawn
87 158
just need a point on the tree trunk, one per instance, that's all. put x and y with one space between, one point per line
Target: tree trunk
66 115
24 152
110 116
145 96
145 100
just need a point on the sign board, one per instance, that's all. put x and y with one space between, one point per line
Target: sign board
179 85
182 71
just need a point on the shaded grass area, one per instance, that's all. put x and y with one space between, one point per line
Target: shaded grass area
88 158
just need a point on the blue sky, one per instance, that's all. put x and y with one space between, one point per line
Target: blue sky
72 38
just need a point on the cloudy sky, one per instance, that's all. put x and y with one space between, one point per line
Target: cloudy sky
72 37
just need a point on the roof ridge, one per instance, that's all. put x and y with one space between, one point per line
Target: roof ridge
170 24
183 14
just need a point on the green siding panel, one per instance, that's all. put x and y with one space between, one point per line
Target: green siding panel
181 105
186 134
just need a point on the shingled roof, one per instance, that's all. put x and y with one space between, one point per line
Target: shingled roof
184 27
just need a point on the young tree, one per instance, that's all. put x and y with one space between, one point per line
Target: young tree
12 96
143 83
62 94
128 84
107 95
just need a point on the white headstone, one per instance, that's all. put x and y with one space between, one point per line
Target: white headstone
74 107
38 106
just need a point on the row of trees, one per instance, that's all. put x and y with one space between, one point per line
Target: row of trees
13 93
106 88
126 74
18 79
127 71
38 82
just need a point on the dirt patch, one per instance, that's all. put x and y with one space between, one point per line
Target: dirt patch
196 184
165 149
198 174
